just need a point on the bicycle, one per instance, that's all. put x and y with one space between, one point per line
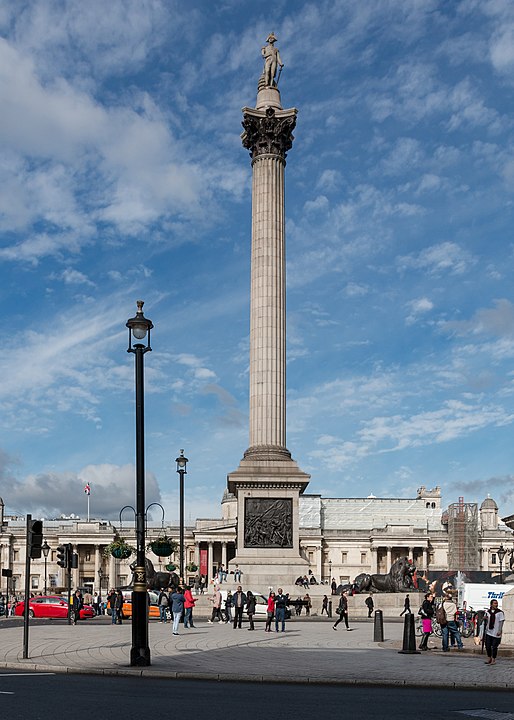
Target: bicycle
466 623
436 628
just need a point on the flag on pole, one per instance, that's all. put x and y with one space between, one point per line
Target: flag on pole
87 489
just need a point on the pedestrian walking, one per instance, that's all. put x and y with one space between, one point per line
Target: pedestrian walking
250 608
238 603
426 612
177 600
333 587
491 631
342 611
369 604
281 603
406 606
270 611
216 606
324 605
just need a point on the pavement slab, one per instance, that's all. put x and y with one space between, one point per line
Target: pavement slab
308 652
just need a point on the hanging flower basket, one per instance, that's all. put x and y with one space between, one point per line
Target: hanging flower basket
192 567
162 546
119 548
170 567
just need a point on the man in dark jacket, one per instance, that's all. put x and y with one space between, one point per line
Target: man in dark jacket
369 604
238 603
281 602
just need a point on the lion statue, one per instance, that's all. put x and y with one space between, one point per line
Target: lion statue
400 577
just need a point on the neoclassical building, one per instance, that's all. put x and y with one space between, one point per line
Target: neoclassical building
339 538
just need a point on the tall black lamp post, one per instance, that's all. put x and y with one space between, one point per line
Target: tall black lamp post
45 547
181 469
501 552
100 576
139 328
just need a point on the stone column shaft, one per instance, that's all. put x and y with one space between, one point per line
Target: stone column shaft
268 305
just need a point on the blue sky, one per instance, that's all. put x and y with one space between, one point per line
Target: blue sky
123 177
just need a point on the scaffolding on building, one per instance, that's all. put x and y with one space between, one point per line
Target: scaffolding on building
463 550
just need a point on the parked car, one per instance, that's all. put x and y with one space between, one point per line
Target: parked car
261 603
50 606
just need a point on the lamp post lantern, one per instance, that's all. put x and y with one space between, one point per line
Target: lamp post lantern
181 469
45 547
139 329
501 552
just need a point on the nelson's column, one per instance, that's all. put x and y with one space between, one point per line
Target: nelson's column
268 482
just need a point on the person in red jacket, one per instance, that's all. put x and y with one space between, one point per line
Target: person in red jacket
270 611
189 603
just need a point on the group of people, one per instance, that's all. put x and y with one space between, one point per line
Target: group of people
239 603
176 602
488 630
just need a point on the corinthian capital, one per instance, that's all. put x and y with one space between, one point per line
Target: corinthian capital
268 134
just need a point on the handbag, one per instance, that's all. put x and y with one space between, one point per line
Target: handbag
339 610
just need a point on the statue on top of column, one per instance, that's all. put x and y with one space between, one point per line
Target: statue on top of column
272 59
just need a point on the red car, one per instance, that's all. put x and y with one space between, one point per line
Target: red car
51 606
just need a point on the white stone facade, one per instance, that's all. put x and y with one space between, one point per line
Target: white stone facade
338 537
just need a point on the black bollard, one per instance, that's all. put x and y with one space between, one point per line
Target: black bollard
409 637
378 627
330 608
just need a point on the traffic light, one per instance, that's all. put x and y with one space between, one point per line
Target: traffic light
62 556
74 562
35 538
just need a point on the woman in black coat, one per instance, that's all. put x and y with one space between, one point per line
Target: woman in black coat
427 612
250 608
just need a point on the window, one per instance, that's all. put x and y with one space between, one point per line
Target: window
344 557
123 579
34 582
311 557
364 558
53 581
16 555
87 556
191 556
493 559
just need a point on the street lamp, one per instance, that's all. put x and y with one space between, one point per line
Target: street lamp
100 576
45 547
181 469
139 327
330 571
501 552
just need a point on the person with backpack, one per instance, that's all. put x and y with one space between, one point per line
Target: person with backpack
163 603
446 617
426 612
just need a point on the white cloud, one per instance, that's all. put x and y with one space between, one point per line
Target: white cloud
417 308
446 257
50 494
